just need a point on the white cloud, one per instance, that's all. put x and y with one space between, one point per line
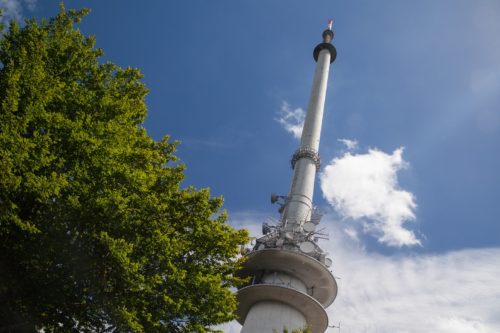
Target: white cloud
292 120
349 144
12 9
461 325
454 292
365 187
250 220
351 233
443 293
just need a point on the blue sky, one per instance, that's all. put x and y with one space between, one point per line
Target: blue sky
423 76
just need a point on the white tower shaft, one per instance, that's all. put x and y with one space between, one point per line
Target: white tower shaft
299 205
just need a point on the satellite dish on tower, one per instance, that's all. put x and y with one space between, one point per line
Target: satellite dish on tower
274 198
307 247
328 262
309 227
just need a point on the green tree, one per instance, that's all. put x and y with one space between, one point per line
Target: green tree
96 233
306 329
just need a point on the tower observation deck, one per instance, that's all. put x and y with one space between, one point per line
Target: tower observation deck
290 282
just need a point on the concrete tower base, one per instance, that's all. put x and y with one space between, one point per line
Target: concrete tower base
287 288
277 315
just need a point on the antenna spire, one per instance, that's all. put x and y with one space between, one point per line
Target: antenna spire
327 43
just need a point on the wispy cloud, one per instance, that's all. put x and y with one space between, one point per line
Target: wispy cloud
364 187
454 292
13 9
292 120
349 144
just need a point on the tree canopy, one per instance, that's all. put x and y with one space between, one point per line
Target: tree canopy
96 232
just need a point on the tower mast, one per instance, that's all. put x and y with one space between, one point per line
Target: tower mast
306 161
290 281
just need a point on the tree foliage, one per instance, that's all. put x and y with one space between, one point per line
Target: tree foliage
96 233
306 329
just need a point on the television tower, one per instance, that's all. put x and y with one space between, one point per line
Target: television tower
290 283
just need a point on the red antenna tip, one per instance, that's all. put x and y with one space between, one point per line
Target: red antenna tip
330 24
